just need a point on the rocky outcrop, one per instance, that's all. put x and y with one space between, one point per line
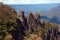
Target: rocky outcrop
24 28
34 25
22 25
31 21
38 19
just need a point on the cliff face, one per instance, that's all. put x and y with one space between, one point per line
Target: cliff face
36 30
24 28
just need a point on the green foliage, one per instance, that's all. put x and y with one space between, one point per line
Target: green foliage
7 20
8 23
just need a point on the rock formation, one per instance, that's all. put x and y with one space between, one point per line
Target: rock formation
31 21
38 19
22 25
24 28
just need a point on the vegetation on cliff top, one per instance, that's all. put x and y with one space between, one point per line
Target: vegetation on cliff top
34 29
8 18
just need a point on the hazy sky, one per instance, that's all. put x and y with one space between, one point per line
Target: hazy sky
29 1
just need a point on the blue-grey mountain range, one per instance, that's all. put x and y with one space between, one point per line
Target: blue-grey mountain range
48 12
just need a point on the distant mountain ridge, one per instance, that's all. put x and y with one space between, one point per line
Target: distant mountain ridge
53 15
34 7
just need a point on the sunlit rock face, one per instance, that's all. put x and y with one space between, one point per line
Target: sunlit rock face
31 21
22 25
38 19
21 16
37 16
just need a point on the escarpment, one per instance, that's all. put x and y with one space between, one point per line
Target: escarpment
21 27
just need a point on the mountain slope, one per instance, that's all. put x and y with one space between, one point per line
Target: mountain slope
7 18
53 15
53 12
34 7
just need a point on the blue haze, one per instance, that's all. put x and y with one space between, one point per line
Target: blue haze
42 8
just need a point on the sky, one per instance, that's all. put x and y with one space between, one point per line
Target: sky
29 1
